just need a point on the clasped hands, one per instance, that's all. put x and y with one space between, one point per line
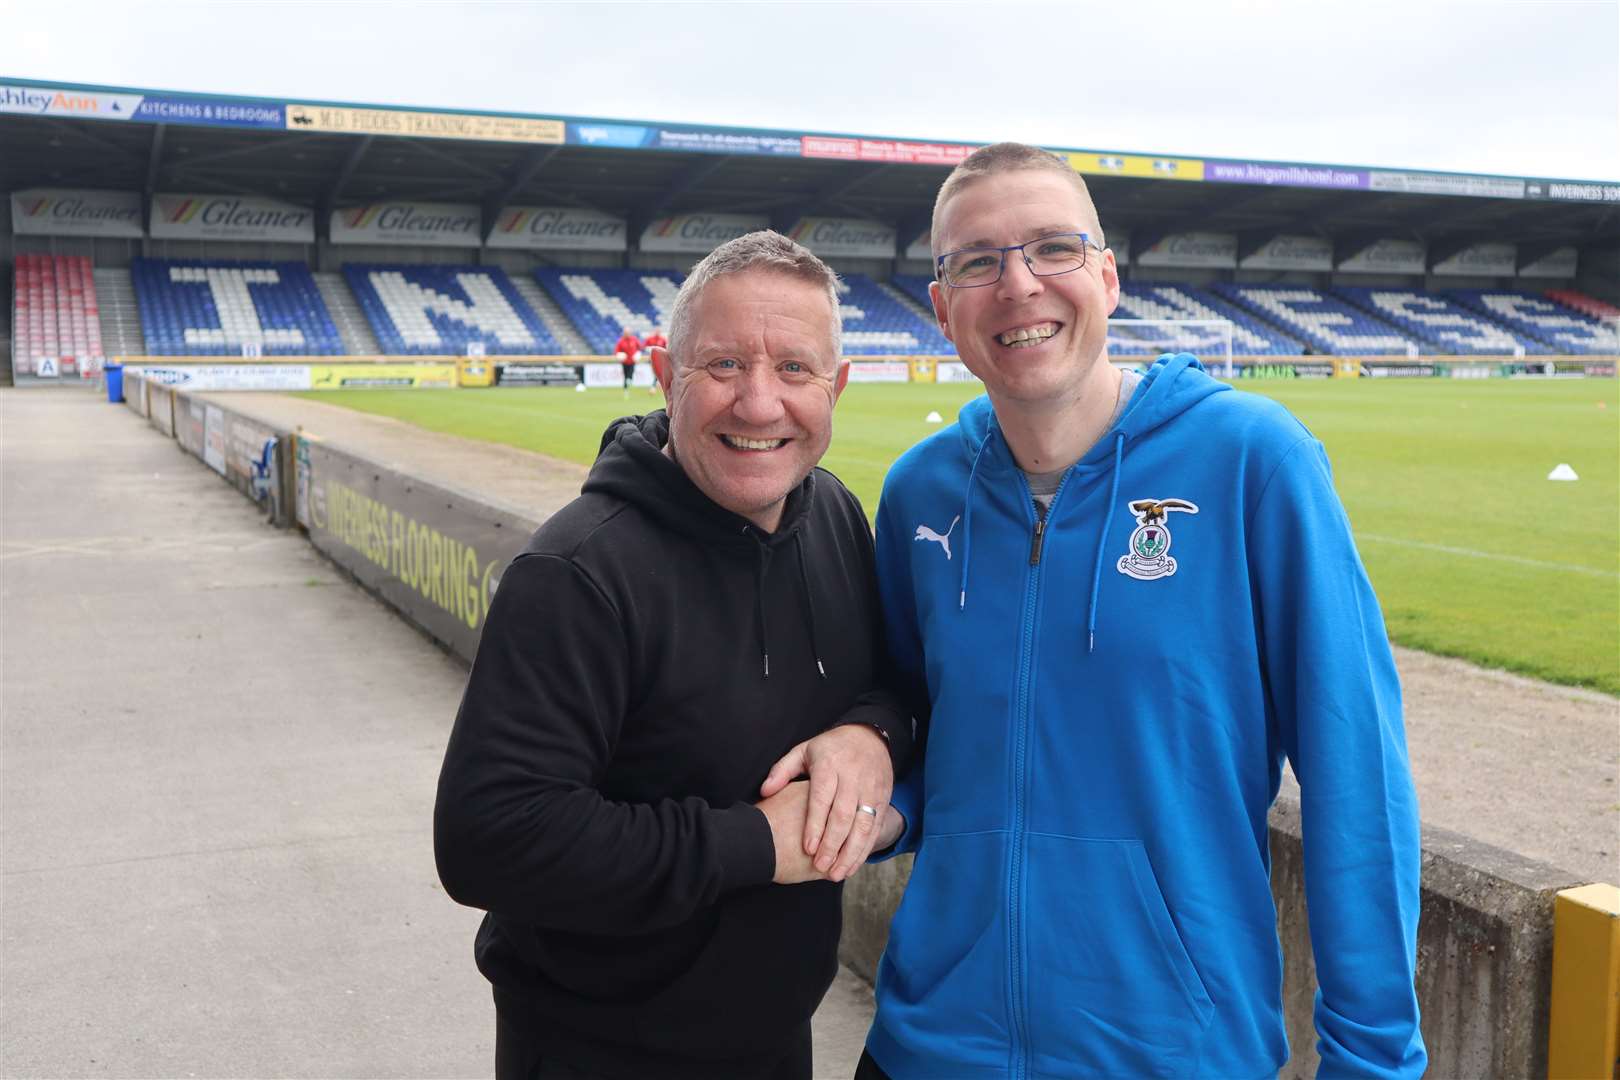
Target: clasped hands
817 825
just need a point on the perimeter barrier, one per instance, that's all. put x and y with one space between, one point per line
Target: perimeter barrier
1518 969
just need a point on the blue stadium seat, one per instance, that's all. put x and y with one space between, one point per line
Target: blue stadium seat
1250 336
876 324
201 307
432 310
1559 328
601 303
1441 325
1326 323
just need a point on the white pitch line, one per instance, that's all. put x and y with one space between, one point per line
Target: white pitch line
1539 564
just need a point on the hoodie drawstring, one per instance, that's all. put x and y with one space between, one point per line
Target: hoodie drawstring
1102 543
762 567
967 522
809 604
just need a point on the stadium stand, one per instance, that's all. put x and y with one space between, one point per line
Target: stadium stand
1326 323
1558 329
1439 323
215 308
876 324
426 310
601 303
54 312
1250 336
354 331
120 313
1584 304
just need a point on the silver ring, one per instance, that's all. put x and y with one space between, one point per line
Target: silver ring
864 809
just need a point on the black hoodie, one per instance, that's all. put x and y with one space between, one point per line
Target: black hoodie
647 658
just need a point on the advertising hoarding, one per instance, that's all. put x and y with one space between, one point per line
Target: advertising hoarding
1489 260
828 236
1388 255
879 371
76 212
698 234
483 127
1291 253
231 217
1268 173
1145 166
1191 249
409 223
1562 263
558 228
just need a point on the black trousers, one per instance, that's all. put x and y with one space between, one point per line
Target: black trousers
869 1069
520 1056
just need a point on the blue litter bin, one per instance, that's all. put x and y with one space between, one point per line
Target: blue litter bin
115 382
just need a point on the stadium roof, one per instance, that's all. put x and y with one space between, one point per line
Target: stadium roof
333 155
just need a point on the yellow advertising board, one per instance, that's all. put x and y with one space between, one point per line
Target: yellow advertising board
1151 168
475 371
381 375
433 125
922 369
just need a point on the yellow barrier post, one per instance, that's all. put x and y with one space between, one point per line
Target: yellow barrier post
1582 1042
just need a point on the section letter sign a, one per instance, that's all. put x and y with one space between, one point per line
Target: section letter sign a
75 212
231 217
845 236
698 233
558 228
408 223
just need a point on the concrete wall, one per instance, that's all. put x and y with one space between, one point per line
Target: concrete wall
1484 949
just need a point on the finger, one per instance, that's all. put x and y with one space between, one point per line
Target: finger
783 772
839 820
823 790
858 846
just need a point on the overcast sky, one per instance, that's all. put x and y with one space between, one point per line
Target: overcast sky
1519 87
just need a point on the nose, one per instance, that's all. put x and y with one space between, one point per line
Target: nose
1018 281
759 397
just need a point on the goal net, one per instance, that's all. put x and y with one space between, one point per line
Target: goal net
1208 339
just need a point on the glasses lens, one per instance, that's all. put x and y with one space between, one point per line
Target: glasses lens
973 266
1056 254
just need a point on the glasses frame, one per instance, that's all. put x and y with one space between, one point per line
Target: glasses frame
1001 268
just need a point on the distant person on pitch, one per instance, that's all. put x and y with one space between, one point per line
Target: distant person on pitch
660 663
655 340
1123 602
628 350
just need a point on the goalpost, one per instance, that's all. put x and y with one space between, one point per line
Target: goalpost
1208 339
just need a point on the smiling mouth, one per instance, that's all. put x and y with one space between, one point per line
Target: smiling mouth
1025 337
737 442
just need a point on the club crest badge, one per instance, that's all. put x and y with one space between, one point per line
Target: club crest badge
1149 557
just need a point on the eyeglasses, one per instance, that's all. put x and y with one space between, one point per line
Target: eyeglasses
1047 256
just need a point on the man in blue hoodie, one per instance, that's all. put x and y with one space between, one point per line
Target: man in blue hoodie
1125 601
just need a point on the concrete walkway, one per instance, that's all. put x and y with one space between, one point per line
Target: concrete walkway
217 764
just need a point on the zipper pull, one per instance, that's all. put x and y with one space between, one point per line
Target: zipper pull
1035 544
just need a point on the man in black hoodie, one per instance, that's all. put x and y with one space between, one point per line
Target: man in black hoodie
706 608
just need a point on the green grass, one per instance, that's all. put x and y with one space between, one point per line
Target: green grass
1474 553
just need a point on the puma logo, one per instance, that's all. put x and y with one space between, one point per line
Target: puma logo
925 533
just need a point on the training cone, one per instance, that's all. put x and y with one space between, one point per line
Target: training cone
579 388
1563 472
933 418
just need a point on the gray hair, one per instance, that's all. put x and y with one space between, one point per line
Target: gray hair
1011 157
762 250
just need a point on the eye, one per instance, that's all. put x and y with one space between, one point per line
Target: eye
723 367
1058 245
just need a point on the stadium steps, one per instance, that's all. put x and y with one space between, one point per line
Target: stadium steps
570 340
905 301
121 333
353 329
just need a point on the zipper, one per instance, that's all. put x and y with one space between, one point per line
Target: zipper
1015 879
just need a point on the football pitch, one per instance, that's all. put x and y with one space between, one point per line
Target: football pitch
1473 551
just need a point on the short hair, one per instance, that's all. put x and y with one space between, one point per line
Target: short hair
1009 157
762 250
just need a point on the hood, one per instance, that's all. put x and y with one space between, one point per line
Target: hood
1175 383
631 465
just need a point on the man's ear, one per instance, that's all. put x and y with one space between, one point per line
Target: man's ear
663 368
841 380
936 293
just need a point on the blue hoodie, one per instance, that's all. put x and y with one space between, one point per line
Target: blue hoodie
1113 692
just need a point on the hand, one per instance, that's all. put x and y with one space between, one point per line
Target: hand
894 824
848 767
785 812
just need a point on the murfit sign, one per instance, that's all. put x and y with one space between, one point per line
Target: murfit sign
408 223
